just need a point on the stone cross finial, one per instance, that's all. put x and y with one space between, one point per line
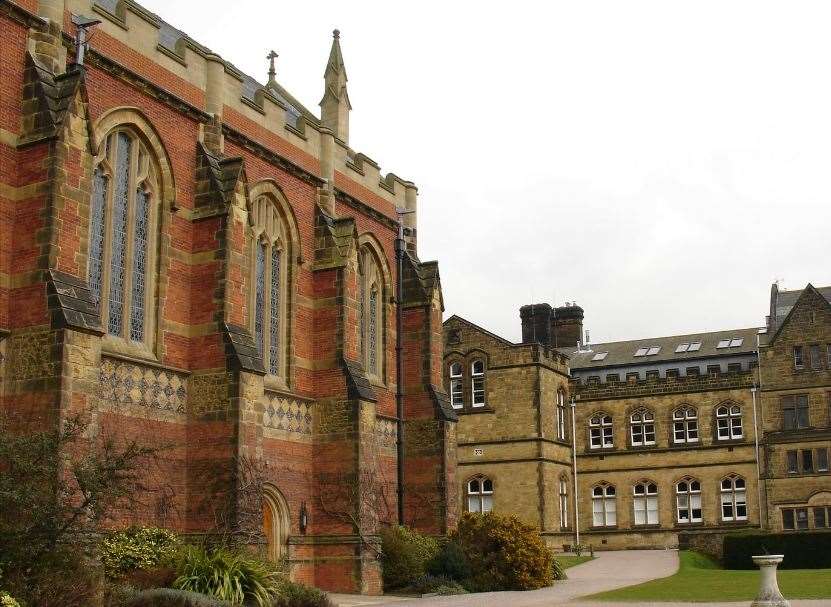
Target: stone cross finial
272 71
336 34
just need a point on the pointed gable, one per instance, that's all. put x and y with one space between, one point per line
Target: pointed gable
810 299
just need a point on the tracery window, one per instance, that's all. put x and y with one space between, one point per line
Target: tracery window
122 236
733 498
729 422
480 494
604 505
684 425
477 383
457 391
371 313
562 416
645 503
270 241
642 427
688 500
563 502
601 431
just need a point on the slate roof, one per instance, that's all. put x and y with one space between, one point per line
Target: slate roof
622 353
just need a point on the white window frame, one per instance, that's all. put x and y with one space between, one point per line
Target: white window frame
564 522
645 504
645 424
727 415
480 495
688 497
604 505
477 384
685 425
733 490
562 416
457 388
601 431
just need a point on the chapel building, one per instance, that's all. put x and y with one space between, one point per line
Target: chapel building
632 443
192 259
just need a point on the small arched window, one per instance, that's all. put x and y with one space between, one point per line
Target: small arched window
684 425
604 505
562 416
642 427
122 236
729 422
688 500
477 383
645 503
480 494
601 434
564 502
371 289
733 498
457 391
270 293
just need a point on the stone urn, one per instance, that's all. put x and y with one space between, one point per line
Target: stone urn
769 594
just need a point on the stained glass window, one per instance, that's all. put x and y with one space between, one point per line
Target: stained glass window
259 313
373 332
119 238
96 232
139 265
362 304
274 329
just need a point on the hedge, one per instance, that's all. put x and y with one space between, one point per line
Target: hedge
808 550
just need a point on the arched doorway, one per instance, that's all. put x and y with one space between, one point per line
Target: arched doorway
276 522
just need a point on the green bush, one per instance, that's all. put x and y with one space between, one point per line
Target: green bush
804 550
404 556
504 553
432 584
227 575
63 578
7 600
138 548
168 597
557 571
292 594
450 562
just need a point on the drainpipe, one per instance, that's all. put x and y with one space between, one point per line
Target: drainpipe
753 391
574 472
399 359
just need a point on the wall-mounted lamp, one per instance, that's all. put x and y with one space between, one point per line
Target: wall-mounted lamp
304 517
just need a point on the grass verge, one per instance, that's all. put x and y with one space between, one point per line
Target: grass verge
700 579
567 561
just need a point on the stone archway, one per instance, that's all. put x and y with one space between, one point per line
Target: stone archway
276 523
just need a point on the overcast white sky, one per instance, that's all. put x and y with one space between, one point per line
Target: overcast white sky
660 163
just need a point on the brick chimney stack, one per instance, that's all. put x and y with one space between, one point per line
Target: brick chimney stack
536 323
567 326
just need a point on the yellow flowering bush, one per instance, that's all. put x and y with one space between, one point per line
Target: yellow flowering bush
504 553
138 548
7 600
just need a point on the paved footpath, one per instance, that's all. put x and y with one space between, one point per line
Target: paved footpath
609 570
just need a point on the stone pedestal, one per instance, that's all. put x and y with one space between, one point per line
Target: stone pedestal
769 594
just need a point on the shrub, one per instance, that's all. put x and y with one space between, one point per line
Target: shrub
432 584
168 597
7 600
504 553
64 578
808 550
292 594
557 571
404 556
450 562
226 575
138 548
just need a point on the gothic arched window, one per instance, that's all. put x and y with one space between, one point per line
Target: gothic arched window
563 502
645 501
642 427
457 391
604 505
477 383
688 500
480 494
729 421
684 425
270 292
122 236
562 416
371 296
601 434
733 498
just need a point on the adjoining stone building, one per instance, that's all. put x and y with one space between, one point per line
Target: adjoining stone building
662 432
197 261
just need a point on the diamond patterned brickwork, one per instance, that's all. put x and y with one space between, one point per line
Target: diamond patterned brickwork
125 383
288 414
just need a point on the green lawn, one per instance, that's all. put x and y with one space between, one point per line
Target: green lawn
567 561
700 579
